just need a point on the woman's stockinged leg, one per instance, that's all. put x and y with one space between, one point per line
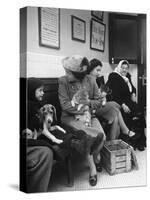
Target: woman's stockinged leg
91 164
125 130
97 147
114 129
99 142
122 124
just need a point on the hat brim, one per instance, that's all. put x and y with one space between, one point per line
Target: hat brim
79 72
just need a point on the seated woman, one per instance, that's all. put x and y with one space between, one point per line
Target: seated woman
74 80
38 164
55 139
124 93
111 110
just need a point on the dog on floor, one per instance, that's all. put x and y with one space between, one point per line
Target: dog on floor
139 140
138 126
80 96
47 115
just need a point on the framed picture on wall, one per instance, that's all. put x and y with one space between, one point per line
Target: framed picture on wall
78 29
49 27
97 35
98 14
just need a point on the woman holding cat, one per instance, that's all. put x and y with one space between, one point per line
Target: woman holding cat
74 80
111 110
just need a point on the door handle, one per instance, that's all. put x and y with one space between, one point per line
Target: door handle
143 78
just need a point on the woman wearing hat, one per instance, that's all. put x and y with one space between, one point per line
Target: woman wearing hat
111 111
74 80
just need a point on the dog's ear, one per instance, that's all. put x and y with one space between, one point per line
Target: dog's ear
55 115
40 114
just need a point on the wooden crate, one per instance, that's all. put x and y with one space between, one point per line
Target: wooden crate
116 157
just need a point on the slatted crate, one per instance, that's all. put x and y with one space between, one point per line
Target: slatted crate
116 157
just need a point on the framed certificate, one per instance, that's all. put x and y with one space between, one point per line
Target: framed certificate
97 35
78 29
49 27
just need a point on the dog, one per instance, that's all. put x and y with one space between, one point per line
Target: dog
139 140
80 96
138 126
47 115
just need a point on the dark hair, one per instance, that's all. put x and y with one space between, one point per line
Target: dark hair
85 62
94 63
33 84
81 74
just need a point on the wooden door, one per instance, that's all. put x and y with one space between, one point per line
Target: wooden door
142 61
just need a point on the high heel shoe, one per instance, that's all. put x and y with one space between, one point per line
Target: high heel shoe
131 133
93 180
99 166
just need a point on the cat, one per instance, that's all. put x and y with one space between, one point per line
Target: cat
80 96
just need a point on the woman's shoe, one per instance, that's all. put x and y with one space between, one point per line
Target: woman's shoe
141 147
99 166
93 180
131 133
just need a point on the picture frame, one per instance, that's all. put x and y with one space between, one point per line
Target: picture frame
49 27
98 14
97 35
78 29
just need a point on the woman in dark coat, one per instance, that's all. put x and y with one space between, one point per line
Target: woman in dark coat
124 93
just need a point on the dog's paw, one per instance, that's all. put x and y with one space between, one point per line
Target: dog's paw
61 129
57 141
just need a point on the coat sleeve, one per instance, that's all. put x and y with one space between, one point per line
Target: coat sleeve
65 102
95 101
130 80
114 85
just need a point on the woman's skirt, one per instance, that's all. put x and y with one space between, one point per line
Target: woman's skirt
93 136
108 112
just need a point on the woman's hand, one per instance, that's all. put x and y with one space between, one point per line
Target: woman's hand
125 108
133 97
28 134
85 102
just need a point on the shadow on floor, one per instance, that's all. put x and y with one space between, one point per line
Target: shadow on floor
14 186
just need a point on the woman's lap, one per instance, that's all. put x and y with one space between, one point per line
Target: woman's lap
94 130
93 133
109 111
